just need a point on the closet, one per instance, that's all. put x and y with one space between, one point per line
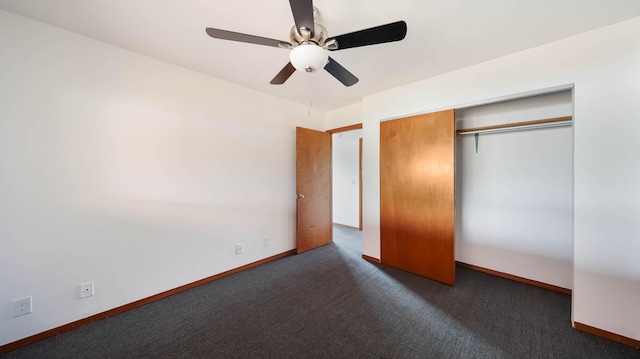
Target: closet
514 188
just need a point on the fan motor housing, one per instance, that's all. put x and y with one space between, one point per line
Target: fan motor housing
320 35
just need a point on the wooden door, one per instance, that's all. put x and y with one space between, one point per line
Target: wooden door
313 182
417 197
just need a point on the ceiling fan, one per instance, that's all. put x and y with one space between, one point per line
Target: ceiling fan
309 43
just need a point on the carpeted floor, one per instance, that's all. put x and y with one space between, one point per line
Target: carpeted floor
330 303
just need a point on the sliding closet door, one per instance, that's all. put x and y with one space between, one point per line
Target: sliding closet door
417 202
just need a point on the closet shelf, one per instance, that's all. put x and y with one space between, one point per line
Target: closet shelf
515 126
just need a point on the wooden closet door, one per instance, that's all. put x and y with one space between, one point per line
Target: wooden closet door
417 196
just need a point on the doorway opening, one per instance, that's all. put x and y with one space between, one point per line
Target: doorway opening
514 188
346 148
346 165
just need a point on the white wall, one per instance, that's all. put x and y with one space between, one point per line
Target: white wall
604 65
514 198
346 177
344 116
130 172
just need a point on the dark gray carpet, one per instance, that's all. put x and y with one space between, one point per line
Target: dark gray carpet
330 303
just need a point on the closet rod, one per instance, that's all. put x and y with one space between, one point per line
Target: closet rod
516 126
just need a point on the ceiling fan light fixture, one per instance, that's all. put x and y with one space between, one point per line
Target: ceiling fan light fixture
308 57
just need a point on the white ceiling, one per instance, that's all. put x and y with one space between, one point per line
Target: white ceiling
443 35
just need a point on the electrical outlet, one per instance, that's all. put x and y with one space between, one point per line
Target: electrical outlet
86 289
239 248
265 242
22 306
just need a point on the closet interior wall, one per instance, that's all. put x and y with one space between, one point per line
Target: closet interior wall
514 197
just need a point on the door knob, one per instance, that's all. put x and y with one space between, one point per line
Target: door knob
300 196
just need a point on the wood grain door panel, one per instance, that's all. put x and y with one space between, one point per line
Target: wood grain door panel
417 197
313 185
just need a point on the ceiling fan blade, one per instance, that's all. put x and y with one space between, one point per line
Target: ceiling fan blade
340 73
283 75
251 39
303 14
394 31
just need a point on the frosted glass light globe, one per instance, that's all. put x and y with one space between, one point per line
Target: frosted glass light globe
308 57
